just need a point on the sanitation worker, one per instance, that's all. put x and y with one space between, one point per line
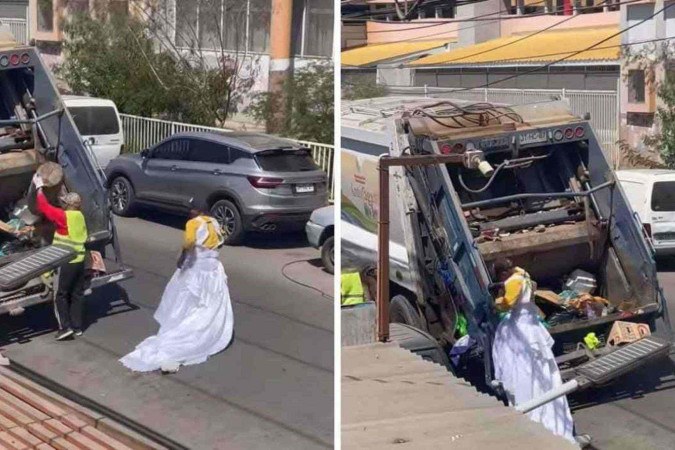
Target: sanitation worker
71 232
522 352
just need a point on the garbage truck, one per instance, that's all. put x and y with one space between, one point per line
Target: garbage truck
36 130
457 186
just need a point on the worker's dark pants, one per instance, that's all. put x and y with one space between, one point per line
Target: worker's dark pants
70 296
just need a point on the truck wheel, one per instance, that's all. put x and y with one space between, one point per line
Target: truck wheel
328 254
401 311
227 214
122 196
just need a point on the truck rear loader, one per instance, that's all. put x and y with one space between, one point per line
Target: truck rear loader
469 184
36 128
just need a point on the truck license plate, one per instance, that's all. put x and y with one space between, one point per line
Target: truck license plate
304 188
533 137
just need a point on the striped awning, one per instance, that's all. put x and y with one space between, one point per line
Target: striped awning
377 53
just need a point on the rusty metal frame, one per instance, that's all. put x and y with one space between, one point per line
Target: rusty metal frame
384 163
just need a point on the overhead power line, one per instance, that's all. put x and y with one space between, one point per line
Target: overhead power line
544 55
590 47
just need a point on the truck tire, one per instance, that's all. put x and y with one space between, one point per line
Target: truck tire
122 196
328 255
227 214
401 311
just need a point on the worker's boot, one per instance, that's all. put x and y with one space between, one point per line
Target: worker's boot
64 334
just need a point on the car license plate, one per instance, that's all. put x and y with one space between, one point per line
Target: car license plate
304 188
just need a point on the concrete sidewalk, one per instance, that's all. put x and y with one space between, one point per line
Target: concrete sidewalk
392 398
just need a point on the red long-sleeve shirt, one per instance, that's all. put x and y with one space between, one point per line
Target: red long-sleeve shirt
55 215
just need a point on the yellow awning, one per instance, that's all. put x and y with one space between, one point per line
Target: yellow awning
374 53
544 47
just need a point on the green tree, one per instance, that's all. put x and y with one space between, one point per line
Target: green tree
664 140
309 103
362 89
126 60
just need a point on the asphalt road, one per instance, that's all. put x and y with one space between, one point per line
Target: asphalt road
638 411
272 387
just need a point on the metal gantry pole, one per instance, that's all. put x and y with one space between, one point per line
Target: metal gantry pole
383 253
383 165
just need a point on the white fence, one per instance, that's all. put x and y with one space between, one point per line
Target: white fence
603 106
18 27
143 132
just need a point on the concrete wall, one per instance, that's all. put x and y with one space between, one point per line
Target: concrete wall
555 78
474 32
13 9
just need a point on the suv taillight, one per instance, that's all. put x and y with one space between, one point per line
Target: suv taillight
264 182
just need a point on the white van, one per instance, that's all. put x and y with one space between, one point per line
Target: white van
99 124
651 193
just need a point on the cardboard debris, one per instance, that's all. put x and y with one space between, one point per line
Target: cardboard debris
627 332
549 296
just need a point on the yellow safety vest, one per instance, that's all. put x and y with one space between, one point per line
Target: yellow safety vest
77 235
351 289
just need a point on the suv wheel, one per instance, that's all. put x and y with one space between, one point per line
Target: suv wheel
328 255
229 218
122 196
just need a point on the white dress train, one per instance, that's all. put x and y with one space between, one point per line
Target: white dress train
195 316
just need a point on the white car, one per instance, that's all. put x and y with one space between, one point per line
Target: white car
319 230
99 124
651 193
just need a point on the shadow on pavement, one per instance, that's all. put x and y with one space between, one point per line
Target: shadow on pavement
665 263
283 239
657 376
39 320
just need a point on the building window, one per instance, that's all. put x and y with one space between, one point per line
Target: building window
260 13
236 25
636 86
318 35
45 15
645 120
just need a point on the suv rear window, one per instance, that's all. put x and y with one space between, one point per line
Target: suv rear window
286 161
663 196
95 120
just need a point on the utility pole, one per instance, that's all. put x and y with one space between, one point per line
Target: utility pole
280 60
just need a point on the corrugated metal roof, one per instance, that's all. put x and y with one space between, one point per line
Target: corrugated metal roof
374 53
544 47
392 397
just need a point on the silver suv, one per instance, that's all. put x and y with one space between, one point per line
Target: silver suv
248 181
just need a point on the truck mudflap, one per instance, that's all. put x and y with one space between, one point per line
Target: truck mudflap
20 272
605 369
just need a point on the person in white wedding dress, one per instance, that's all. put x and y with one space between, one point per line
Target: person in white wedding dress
195 314
522 354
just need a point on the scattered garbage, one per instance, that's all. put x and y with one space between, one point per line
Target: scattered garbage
627 332
461 347
581 281
592 342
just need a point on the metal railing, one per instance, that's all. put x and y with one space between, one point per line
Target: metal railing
18 27
143 132
603 106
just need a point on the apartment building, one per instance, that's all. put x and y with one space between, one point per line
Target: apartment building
241 27
650 40
480 43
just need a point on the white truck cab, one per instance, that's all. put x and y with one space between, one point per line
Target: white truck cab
99 124
651 193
